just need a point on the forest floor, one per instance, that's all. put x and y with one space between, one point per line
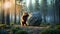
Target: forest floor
32 29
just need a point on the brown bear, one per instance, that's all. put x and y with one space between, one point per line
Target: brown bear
24 19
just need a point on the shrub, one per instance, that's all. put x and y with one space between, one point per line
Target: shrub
2 25
15 29
57 26
21 32
50 31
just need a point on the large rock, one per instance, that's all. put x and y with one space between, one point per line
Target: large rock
35 19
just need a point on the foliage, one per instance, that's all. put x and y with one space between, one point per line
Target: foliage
43 24
3 25
15 29
21 32
50 31
57 26
4 32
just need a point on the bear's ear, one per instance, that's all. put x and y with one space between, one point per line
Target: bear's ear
21 0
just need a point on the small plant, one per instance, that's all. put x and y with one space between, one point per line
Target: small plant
21 32
15 29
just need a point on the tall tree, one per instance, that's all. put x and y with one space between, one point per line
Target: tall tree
8 19
15 13
3 17
44 9
8 15
57 7
37 6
